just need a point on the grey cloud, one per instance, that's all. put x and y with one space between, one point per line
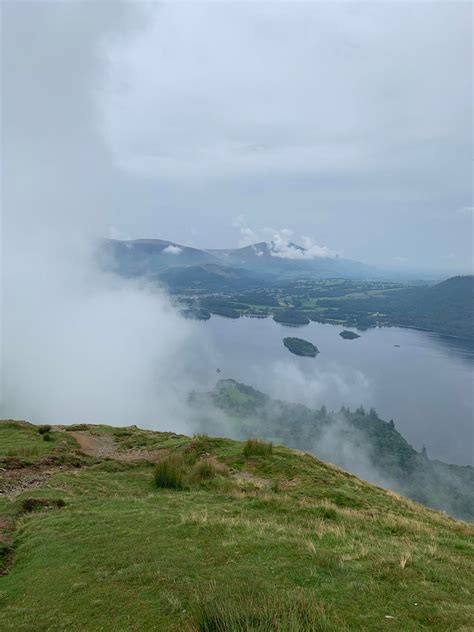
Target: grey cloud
353 120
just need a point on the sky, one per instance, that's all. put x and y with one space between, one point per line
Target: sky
346 125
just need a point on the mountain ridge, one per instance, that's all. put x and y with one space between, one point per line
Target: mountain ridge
152 256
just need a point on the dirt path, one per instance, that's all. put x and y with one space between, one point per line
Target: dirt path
103 446
93 445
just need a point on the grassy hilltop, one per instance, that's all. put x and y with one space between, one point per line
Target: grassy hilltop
124 529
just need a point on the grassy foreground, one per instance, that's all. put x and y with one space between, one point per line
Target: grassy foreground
252 538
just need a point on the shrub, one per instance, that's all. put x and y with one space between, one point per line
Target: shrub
170 472
44 429
32 504
47 437
255 447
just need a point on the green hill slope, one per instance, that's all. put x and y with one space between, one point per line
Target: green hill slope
255 537
359 441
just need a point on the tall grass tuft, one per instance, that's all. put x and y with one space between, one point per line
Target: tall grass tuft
255 447
170 473
203 471
259 613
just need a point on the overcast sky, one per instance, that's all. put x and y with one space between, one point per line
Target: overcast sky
210 123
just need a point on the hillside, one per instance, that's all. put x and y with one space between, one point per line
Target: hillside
265 258
148 257
255 537
210 276
357 440
446 307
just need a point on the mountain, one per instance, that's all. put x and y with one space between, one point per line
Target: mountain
150 257
105 528
358 441
211 276
293 260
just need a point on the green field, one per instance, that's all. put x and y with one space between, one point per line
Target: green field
268 539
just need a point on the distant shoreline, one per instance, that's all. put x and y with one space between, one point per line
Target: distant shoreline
429 331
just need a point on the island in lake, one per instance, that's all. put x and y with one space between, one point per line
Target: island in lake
301 347
349 335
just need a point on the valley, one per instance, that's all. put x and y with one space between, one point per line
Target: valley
258 282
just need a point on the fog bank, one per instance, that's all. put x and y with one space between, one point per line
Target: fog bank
77 344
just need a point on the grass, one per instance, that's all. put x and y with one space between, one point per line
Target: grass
170 473
255 447
296 613
321 550
22 440
184 470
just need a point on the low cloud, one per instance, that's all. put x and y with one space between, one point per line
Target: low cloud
282 243
329 386
79 345
467 211
283 247
248 236
172 250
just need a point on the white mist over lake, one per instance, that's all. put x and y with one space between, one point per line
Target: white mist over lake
425 384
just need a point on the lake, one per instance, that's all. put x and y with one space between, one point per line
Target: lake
425 385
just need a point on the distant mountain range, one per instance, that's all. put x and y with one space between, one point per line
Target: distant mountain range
178 264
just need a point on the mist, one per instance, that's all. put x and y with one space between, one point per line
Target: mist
78 344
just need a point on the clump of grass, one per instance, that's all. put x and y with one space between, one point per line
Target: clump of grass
244 612
255 447
201 436
170 473
23 452
203 470
32 504
44 429
183 470
405 558
190 456
47 437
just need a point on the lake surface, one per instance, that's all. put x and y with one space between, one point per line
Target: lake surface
425 385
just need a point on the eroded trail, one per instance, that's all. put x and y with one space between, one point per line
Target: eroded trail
104 446
94 445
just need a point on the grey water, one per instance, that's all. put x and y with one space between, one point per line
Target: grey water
424 384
